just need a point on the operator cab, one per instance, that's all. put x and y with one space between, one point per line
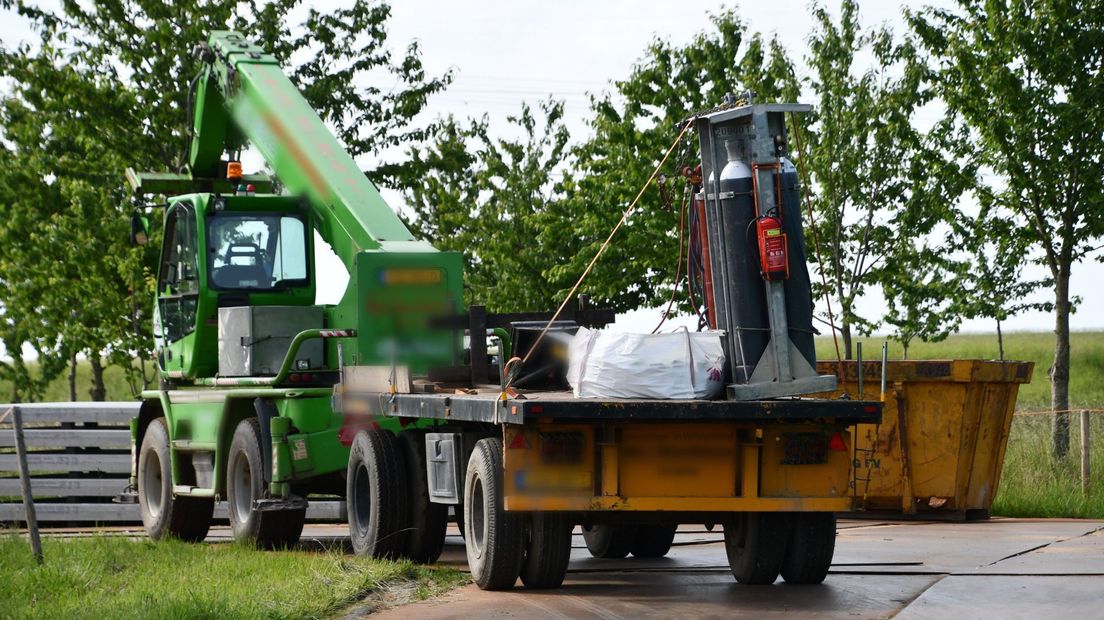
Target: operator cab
256 251
226 253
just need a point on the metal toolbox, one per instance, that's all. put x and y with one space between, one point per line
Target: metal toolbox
253 340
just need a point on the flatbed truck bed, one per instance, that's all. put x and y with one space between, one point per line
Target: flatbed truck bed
485 404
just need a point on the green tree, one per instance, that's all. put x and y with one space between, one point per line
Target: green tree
118 97
82 293
992 276
497 201
918 292
1025 76
528 235
23 328
632 129
878 188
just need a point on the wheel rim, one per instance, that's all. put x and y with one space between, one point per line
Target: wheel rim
151 483
242 503
478 519
361 497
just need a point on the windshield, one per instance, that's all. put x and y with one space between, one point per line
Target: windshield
256 251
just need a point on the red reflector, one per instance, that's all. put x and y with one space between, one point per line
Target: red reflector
870 409
293 378
836 443
519 442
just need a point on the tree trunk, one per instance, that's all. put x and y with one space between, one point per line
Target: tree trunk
98 391
1059 371
73 378
1000 341
845 333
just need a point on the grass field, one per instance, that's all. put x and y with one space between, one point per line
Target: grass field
1034 483
118 578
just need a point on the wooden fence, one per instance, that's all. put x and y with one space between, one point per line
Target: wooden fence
79 458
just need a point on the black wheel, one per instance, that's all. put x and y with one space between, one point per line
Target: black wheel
609 541
163 515
653 541
428 521
378 497
756 545
494 539
548 552
269 529
809 552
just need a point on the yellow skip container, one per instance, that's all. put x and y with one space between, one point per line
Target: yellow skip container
939 450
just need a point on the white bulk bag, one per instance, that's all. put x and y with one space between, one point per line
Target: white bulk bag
674 365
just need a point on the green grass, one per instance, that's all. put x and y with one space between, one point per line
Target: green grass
104 577
1033 483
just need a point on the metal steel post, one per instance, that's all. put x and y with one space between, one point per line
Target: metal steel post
1085 441
25 484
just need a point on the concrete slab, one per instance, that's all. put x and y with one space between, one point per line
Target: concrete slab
1083 555
880 569
663 595
950 547
1009 597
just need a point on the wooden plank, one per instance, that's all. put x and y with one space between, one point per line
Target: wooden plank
73 512
114 413
65 487
329 510
106 463
108 439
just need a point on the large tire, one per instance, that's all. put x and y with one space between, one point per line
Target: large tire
812 544
268 529
609 542
653 541
378 496
494 539
756 545
428 521
163 515
548 552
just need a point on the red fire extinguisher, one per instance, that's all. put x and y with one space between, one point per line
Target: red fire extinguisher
774 263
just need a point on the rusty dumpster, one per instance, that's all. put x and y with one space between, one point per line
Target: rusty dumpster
939 450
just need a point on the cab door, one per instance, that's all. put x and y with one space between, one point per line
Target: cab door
178 291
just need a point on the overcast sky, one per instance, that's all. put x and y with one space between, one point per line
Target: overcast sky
507 52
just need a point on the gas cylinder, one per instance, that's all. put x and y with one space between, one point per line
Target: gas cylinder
737 285
799 299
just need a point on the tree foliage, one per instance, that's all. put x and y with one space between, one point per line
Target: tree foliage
105 87
497 200
530 235
881 184
632 128
1026 77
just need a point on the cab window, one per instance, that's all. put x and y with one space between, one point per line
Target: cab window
178 279
256 251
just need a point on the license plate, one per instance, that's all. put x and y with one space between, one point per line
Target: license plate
804 448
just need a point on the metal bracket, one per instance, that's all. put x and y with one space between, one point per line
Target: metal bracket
275 505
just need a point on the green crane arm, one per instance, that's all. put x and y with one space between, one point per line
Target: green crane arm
243 95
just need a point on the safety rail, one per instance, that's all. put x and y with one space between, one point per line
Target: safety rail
285 367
